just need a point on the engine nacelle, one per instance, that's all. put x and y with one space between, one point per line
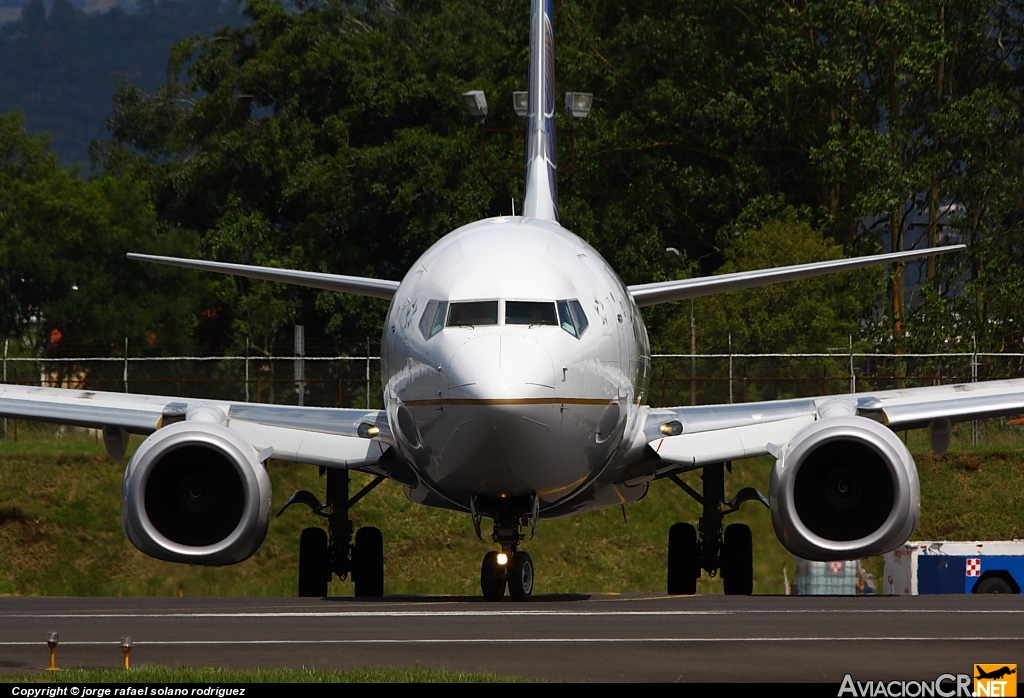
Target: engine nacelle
196 492
844 488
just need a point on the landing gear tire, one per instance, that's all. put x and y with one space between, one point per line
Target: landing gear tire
738 560
993 585
368 562
520 577
683 559
492 578
314 570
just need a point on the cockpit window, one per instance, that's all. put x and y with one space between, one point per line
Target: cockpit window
572 318
581 317
473 313
433 318
530 313
565 318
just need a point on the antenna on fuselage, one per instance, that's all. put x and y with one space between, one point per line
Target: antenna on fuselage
513 207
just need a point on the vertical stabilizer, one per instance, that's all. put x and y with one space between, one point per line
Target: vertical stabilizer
541 198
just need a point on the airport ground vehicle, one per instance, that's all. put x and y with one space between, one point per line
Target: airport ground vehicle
955 567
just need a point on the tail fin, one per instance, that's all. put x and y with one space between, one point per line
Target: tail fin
541 198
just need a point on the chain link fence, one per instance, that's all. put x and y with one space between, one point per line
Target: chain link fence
676 379
322 381
706 379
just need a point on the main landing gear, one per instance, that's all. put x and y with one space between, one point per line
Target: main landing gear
732 554
511 567
323 553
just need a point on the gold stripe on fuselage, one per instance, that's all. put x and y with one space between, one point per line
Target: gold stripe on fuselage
510 401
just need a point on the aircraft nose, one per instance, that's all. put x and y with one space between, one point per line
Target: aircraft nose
501 367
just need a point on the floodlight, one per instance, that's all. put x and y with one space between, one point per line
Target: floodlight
521 103
578 104
476 103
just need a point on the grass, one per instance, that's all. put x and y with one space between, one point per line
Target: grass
60 529
155 675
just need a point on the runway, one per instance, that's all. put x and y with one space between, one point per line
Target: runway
635 637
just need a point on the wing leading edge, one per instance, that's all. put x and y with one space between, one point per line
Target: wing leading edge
359 285
701 435
338 438
685 289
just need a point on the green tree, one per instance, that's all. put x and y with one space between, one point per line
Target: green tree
63 272
812 315
330 136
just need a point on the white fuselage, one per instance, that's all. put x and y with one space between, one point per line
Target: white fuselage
514 407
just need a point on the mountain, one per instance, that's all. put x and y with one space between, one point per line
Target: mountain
61 59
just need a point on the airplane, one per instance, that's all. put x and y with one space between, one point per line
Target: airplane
995 673
515 368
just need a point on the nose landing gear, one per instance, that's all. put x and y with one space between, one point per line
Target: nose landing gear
731 554
500 570
493 576
511 568
520 577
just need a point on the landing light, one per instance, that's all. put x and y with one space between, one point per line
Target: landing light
476 103
502 559
521 103
368 431
672 428
578 104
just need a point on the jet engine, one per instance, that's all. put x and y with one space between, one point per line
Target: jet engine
844 488
196 492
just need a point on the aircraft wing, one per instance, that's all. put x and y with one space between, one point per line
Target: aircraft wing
684 289
338 438
716 433
360 285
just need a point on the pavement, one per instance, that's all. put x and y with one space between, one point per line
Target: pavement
599 637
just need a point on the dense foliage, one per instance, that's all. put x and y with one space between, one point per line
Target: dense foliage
786 318
62 255
330 135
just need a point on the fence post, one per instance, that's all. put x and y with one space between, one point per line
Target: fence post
5 380
974 379
126 364
730 368
367 374
693 357
247 369
300 364
853 374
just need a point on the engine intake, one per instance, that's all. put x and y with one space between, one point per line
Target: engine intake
845 488
196 492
